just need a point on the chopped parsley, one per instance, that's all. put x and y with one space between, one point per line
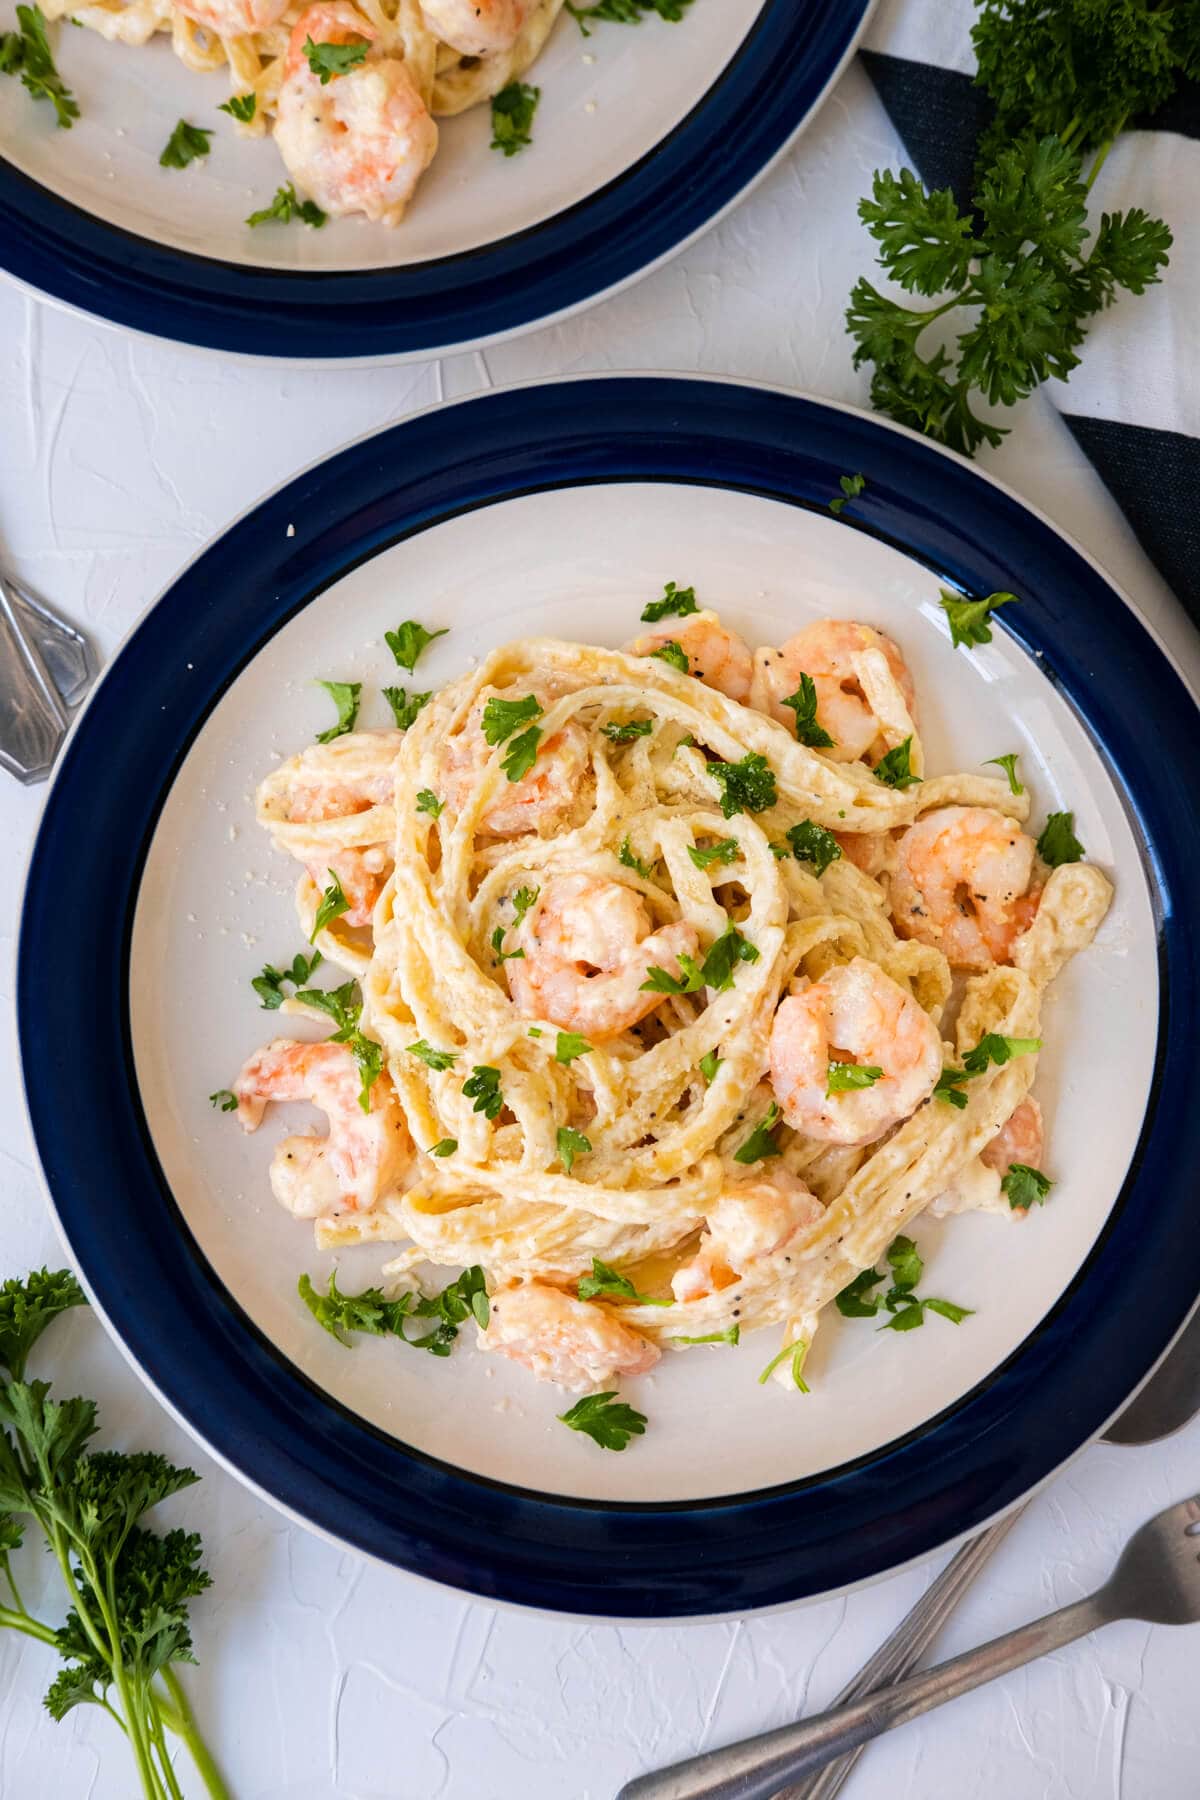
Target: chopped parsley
628 860
224 1099
444 1147
433 1059
408 641
746 786
269 985
813 844
804 704
503 955
1009 765
483 1087
948 1087
241 107
761 1142
625 732
285 207
569 1045
369 1057
725 852
342 1004
627 12
502 717
676 603
846 1077
658 981
906 1309
993 1048
186 144
521 754
405 708
1025 1187
1058 843
373 1313
856 1300
605 1419
851 486
798 1352
523 899
428 802
328 60
673 653
571 1143
969 618
27 53
894 769
710 1062
345 696
333 904
512 116
730 1335
608 1284
729 949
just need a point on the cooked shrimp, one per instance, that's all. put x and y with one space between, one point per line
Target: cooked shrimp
873 852
825 652
540 800
234 18
477 27
364 1154
337 781
588 949
1021 1139
962 883
567 1341
716 655
753 1220
977 1186
854 1014
360 142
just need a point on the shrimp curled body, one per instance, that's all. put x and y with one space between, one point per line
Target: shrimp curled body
751 1225
365 1153
962 882
234 18
560 1339
328 783
826 653
358 142
716 656
541 799
588 949
477 27
856 1014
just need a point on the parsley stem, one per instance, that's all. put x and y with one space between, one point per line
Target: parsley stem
154 1728
19 1620
11 1579
181 1719
1102 154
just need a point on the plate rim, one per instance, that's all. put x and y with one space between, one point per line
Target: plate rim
751 394
43 268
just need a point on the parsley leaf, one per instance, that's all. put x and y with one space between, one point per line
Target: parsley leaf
571 1144
328 60
285 207
906 1309
501 717
224 1099
627 12
608 1284
1009 765
856 1300
798 1352
433 1059
342 1004
502 955
804 704
27 53
626 732
746 786
813 844
727 951
345 696
373 1313
186 144
851 486
969 618
569 1045
658 981
761 1142
993 1048
408 641
894 769
27 1307
628 860
523 899
270 986
730 1335
676 603
710 1062
724 852
444 1147
512 116
906 1264
333 904
948 1087
521 754
404 709
483 1087
1025 1187
1058 843
369 1057
847 1077
241 107
673 653
428 802
605 1419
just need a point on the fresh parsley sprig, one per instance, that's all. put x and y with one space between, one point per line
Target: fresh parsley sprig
328 60
373 1313
676 603
804 704
26 52
851 486
408 641
241 107
761 1142
608 1421
969 618
287 206
856 1300
605 1283
895 769
849 1078
746 786
332 905
512 116
627 12
1058 843
405 707
674 655
186 144
483 1087
571 1143
813 844
1025 1187
624 731
271 984
346 696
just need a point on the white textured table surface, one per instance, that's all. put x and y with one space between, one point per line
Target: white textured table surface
321 1675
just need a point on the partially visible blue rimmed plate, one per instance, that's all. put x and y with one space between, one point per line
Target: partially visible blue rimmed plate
644 137
151 901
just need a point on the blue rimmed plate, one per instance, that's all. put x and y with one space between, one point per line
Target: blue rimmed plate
152 900
644 137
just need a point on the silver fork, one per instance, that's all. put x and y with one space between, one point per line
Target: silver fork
1157 1579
